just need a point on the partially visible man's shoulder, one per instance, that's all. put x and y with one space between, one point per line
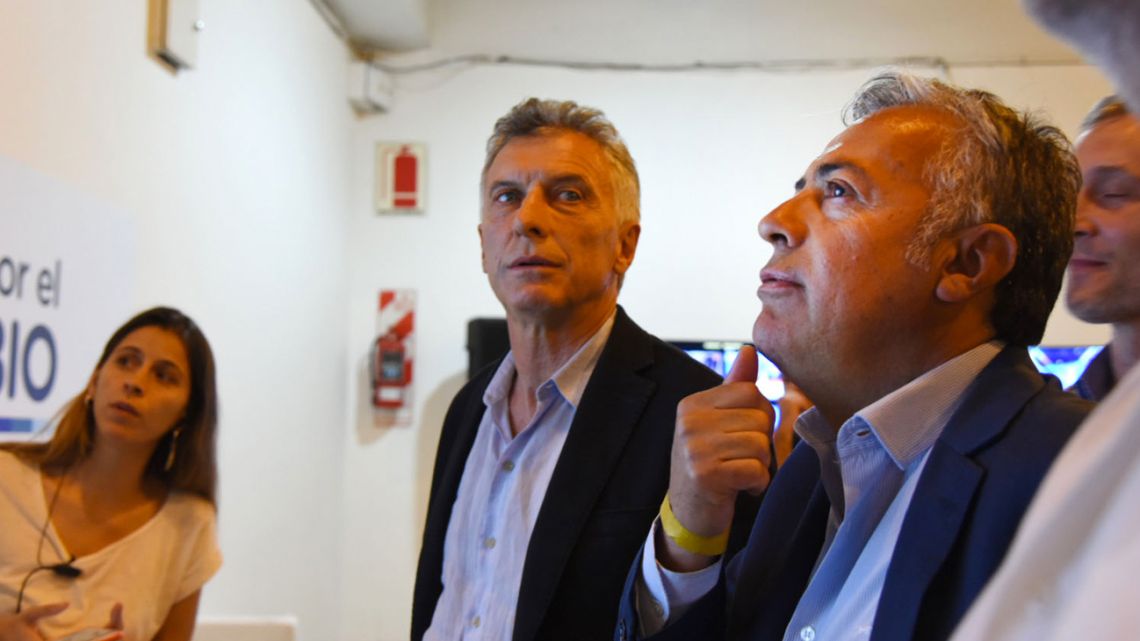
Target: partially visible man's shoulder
1060 406
1046 423
466 407
677 363
671 367
477 384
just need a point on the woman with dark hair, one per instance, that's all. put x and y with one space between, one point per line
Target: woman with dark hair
110 523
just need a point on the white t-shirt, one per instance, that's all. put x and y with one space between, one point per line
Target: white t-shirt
167 559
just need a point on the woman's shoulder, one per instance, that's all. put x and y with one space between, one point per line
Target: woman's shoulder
21 489
189 507
12 464
183 517
194 521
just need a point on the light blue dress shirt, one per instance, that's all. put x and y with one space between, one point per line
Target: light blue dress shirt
502 489
869 469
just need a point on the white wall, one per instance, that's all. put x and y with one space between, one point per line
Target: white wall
235 176
715 152
250 186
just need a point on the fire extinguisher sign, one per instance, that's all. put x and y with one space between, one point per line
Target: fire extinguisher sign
400 173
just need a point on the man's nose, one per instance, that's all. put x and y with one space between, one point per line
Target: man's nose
533 215
1085 225
783 227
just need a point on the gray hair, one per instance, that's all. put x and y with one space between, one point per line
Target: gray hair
1106 108
1002 167
533 117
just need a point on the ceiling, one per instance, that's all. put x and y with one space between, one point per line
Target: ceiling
654 32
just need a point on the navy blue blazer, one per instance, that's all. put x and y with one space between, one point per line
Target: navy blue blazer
982 472
604 493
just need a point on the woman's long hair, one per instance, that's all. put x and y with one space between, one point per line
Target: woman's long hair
195 467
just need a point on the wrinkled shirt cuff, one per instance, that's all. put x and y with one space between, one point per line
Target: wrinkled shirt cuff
663 595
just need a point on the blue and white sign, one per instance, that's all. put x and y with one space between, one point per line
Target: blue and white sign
66 282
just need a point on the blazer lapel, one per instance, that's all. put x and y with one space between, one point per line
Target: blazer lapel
942 499
613 401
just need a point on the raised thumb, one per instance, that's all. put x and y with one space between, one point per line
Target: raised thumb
745 368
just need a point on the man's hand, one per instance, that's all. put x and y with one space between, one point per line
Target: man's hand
721 446
22 626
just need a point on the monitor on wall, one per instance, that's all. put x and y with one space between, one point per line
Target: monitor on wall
487 342
720 355
1065 362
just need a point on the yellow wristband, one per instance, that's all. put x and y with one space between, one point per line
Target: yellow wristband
690 541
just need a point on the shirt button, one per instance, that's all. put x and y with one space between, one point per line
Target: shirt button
489 543
807 633
509 466
657 607
475 622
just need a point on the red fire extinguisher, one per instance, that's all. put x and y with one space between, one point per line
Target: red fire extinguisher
390 375
404 178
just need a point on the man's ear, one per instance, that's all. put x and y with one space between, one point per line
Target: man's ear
482 252
627 246
974 260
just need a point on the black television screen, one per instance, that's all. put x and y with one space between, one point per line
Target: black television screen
720 355
1065 362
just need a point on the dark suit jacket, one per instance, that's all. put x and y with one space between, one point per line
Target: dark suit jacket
982 472
604 493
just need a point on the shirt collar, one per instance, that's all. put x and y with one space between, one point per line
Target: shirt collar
907 421
570 379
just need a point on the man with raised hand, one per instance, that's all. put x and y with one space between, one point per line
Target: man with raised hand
922 252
